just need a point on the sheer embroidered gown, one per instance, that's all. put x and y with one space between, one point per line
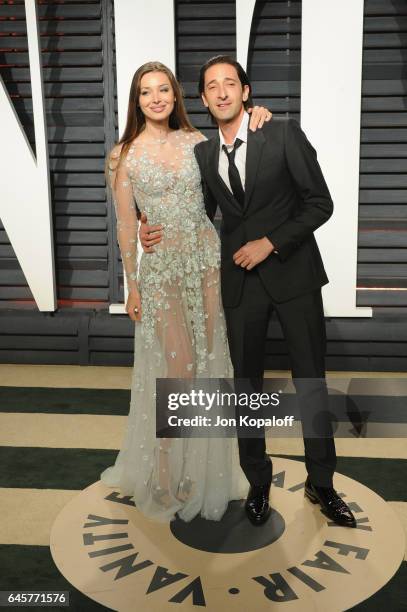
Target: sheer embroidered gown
182 333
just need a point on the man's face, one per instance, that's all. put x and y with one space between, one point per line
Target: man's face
223 92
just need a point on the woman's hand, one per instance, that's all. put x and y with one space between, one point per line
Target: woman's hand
259 114
134 301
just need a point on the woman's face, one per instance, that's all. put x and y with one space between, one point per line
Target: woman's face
156 96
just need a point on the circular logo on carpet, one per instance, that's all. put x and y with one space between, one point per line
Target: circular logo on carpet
298 560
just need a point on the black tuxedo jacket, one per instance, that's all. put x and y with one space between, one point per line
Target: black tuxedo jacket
286 199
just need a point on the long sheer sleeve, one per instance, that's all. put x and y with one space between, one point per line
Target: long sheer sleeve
126 217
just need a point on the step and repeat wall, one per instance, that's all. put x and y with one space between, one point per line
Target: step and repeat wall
80 85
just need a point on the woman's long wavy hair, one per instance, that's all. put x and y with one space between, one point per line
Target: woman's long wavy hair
136 120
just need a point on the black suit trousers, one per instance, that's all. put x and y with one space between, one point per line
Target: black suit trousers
303 324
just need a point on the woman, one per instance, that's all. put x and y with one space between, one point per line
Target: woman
175 300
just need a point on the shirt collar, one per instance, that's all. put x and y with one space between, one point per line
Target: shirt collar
242 131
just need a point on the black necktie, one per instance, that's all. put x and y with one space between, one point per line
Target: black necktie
234 176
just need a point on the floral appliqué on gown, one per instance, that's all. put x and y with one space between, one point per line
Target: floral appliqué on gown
182 332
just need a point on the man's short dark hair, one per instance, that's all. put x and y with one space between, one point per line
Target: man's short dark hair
226 59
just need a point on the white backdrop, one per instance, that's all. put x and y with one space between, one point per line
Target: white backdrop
25 203
330 116
141 36
331 94
331 82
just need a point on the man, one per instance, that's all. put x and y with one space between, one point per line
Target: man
273 196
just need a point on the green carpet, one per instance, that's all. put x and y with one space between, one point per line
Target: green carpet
31 567
77 468
65 401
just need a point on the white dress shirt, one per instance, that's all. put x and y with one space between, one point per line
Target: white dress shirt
240 155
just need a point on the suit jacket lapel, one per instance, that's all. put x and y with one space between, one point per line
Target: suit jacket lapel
255 143
213 164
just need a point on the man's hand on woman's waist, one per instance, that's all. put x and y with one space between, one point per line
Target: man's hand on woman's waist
149 234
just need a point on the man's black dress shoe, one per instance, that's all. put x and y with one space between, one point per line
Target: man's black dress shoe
257 504
331 504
